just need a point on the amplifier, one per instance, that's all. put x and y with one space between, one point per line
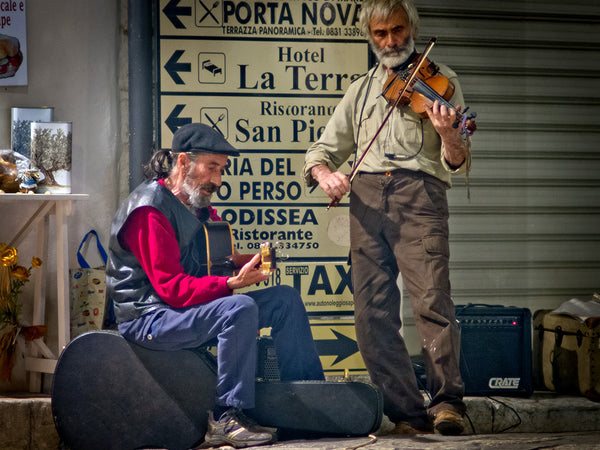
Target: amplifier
267 367
495 350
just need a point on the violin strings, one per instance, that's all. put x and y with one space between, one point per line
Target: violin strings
430 93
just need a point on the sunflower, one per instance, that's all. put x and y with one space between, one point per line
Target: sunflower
19 273
12 279
8 255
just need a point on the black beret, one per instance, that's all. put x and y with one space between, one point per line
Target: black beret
200 138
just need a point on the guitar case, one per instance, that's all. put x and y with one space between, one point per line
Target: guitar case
109 393
342 408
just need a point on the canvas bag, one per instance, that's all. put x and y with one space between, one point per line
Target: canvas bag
568 354
87 291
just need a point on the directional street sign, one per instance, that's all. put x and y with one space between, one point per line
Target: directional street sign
337 347
268 75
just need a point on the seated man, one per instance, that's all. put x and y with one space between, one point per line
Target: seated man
165 300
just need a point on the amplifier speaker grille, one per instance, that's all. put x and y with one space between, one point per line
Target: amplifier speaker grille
267 368
495 350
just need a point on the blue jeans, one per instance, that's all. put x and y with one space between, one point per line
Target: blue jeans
234 321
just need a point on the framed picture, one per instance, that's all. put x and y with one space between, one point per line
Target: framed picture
20 129
51 149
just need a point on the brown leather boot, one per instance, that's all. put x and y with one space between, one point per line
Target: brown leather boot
448 422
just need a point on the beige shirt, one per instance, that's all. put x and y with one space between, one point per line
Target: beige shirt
406 140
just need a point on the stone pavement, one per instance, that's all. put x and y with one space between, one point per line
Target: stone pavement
544 420
512 441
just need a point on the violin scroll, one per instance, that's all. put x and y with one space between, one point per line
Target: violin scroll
467 124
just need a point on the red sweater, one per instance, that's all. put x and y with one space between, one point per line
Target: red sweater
151 238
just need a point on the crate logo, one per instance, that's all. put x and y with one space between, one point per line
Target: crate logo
504 383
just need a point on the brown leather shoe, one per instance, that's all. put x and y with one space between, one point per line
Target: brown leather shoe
408 430
448 422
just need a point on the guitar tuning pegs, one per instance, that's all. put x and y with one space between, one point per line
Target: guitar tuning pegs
280 256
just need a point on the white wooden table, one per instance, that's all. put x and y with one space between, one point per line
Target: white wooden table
42 359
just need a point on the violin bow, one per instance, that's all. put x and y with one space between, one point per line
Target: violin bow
358 163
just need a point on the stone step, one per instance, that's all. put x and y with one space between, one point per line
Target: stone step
26 419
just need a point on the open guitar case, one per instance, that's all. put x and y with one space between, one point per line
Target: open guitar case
109 393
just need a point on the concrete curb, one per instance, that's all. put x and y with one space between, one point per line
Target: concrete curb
540 413
27 421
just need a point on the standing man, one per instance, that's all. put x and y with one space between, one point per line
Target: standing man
398 223
165 300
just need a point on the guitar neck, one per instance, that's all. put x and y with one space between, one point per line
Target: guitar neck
221 256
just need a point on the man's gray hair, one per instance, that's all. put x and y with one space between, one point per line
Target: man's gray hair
383 8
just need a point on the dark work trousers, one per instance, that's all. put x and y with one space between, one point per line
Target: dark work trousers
235 321
399 223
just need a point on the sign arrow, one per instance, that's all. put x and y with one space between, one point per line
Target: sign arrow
172 11
342 347
174 121
173 66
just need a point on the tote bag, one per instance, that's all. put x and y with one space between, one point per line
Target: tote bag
87 291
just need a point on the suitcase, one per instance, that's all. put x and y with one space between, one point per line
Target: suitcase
567 354
108 393
496 350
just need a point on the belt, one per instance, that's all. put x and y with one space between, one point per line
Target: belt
390 173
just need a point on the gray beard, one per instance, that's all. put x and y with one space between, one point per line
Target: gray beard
195 198
396 59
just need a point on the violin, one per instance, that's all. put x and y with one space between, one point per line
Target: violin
421 85
418 87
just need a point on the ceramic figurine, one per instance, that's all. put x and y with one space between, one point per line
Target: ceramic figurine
29 180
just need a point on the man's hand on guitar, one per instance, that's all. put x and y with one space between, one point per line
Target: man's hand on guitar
250 273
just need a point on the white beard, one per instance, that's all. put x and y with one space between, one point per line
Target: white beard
195 197
393 57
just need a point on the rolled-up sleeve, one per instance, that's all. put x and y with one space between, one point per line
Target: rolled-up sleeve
336 144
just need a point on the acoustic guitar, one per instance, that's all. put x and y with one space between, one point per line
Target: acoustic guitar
221 256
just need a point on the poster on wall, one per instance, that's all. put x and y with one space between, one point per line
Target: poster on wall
13 43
